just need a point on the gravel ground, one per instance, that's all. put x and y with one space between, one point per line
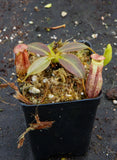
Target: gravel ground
26 20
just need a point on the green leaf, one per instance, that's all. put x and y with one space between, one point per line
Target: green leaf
49 5
39 65
51 45
107 54
38 48
71 63
51 51
72 46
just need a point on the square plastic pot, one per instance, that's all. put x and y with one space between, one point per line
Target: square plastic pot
71 132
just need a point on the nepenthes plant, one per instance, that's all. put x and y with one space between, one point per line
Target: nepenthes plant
51 54
69 55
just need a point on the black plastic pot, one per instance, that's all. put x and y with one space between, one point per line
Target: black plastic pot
71 132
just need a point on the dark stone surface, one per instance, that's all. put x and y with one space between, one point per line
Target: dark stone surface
88 14
112 93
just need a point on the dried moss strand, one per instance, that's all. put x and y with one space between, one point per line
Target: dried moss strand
43 98
83 84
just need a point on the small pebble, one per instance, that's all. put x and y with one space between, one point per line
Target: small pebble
50 96
115 53
114 101
115 44
53 37
63 13
10 59
95 127
4 30
102 18
109 14
34 78
34 90
53 74
11 38
39 35
34 101
107 154
25 24
31 22
115 20
20 33
114 109
6 37
99 137
94 35
106 26
36 8
78 33
26 34
76 23
11 79
113 33
68 95
24 9
13 74
103 23
45 80
20 42
14 28
106 69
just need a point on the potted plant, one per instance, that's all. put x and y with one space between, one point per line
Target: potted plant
60 88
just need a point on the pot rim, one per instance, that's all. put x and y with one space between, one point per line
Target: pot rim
58 103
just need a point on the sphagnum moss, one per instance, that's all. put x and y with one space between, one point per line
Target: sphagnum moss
55 84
